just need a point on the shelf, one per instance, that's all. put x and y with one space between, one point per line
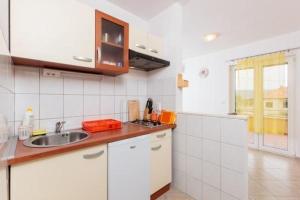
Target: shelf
113 44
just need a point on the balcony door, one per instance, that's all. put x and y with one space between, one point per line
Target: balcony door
269 108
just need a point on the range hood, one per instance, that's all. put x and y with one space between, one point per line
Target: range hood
145 62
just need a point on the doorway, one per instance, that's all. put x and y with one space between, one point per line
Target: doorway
267 98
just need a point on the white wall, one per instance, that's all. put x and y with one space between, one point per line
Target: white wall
211 95
168 25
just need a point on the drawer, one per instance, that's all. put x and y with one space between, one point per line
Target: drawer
157 136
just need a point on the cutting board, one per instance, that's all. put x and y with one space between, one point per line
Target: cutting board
133 110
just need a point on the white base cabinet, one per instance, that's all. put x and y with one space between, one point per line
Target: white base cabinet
129 169
76 175
161 160
54 31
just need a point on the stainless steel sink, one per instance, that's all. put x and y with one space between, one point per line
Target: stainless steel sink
56 140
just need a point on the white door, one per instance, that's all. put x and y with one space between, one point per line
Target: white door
129 169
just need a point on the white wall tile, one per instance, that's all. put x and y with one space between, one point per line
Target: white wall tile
73 123
73 86
169 102
179 180
179 161
120 104
91 87
73 105
212 128
227 197
179 142
107 105
92 117
27 80
211 193
120 86
181 123
142 88
194 188
234 131
23 101
36 125
212 151
132 87
194 146
51 106
234 157
233 183
91 105
51 85
194 167
107 86
7 106
194 125
169 86
211 174
49 124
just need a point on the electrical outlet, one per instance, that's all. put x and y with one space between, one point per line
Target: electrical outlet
51 73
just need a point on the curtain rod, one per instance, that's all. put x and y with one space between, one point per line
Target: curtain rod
286 50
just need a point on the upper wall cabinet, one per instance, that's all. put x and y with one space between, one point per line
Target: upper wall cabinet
111 44
53 31
146 43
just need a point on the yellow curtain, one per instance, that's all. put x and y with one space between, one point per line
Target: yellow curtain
255 123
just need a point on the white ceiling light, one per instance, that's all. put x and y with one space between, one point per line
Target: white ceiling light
211 37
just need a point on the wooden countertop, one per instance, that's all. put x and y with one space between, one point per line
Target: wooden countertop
24 154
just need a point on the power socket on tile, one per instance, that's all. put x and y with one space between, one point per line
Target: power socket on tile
51 73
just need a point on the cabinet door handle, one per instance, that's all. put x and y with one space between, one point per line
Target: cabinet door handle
153 50
156 148
132 147
161 135
140 46
83 59
98 55
93 155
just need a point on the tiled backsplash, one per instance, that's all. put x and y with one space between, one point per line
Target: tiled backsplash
210 157
6 86
81 97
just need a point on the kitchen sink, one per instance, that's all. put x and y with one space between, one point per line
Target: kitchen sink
56 140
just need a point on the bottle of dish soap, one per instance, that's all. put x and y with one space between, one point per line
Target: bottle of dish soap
28 118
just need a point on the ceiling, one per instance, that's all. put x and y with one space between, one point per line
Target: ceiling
144 9
238 21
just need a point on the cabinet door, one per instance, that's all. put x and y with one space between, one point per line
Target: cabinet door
129 169
161 164
76 175
155 46
54 31
138 40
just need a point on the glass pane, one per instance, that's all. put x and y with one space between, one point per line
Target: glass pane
112 33
275 125
244 98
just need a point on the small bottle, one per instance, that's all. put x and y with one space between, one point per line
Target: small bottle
28 119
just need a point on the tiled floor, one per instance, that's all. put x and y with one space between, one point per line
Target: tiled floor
175 195
273 177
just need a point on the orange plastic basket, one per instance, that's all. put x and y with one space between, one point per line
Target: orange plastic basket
101 125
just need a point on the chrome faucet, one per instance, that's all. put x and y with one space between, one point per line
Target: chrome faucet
59 125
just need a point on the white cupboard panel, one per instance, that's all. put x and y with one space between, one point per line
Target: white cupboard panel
161 164
54 31
76 175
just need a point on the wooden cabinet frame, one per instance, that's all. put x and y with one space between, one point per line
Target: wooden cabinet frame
105 68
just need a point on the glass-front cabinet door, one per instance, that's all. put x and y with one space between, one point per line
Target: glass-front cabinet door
111 44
